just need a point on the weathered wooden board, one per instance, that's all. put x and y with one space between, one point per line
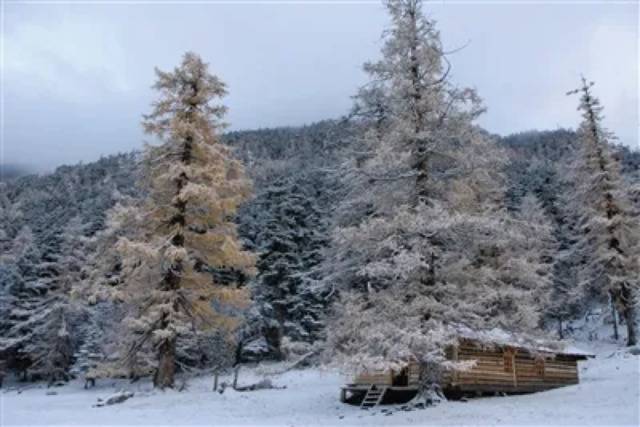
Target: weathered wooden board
374 377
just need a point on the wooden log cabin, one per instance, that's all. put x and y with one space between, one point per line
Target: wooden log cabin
496 368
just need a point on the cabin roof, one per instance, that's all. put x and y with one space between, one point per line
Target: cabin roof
574 353
500 338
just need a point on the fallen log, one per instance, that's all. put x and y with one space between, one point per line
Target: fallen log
260 385
115 399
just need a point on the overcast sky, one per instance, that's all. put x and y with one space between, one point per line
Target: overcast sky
77 77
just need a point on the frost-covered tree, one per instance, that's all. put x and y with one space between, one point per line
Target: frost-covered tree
419 140
100 291
610 240
531 260
38 335
412 89
185 222
54 347
382 329
568 299
18 268
11 219
285 225
433 236
26 298
541 164
427 148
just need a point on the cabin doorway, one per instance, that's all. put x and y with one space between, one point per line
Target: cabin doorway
401 379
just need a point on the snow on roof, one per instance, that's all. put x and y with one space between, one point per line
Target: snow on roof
573 350
500 337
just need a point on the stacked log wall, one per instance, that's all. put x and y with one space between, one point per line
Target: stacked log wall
374 377
494 371
499 369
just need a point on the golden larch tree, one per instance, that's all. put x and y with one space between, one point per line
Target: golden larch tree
193 189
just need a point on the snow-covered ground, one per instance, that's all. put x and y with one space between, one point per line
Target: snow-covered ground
608 394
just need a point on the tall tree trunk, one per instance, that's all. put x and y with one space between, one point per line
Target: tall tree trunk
422 175
165 373
420 155
632 332
429 390
622 298
431 273
560 329
630 315
614 315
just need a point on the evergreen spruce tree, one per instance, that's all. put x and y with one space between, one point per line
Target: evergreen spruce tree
38 333
610 233
285 225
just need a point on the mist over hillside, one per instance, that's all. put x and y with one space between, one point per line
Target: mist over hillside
9 171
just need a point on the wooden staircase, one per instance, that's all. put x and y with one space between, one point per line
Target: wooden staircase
373 397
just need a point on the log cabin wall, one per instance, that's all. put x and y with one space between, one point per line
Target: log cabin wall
493 369
496 369
512 369
374 377
387 377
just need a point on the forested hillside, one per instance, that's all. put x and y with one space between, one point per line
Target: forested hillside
287 223
541 165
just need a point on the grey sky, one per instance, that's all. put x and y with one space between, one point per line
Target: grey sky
77 76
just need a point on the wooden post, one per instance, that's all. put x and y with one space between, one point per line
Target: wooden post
560 329
538 364
454 356
509 361
215 381
513 363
